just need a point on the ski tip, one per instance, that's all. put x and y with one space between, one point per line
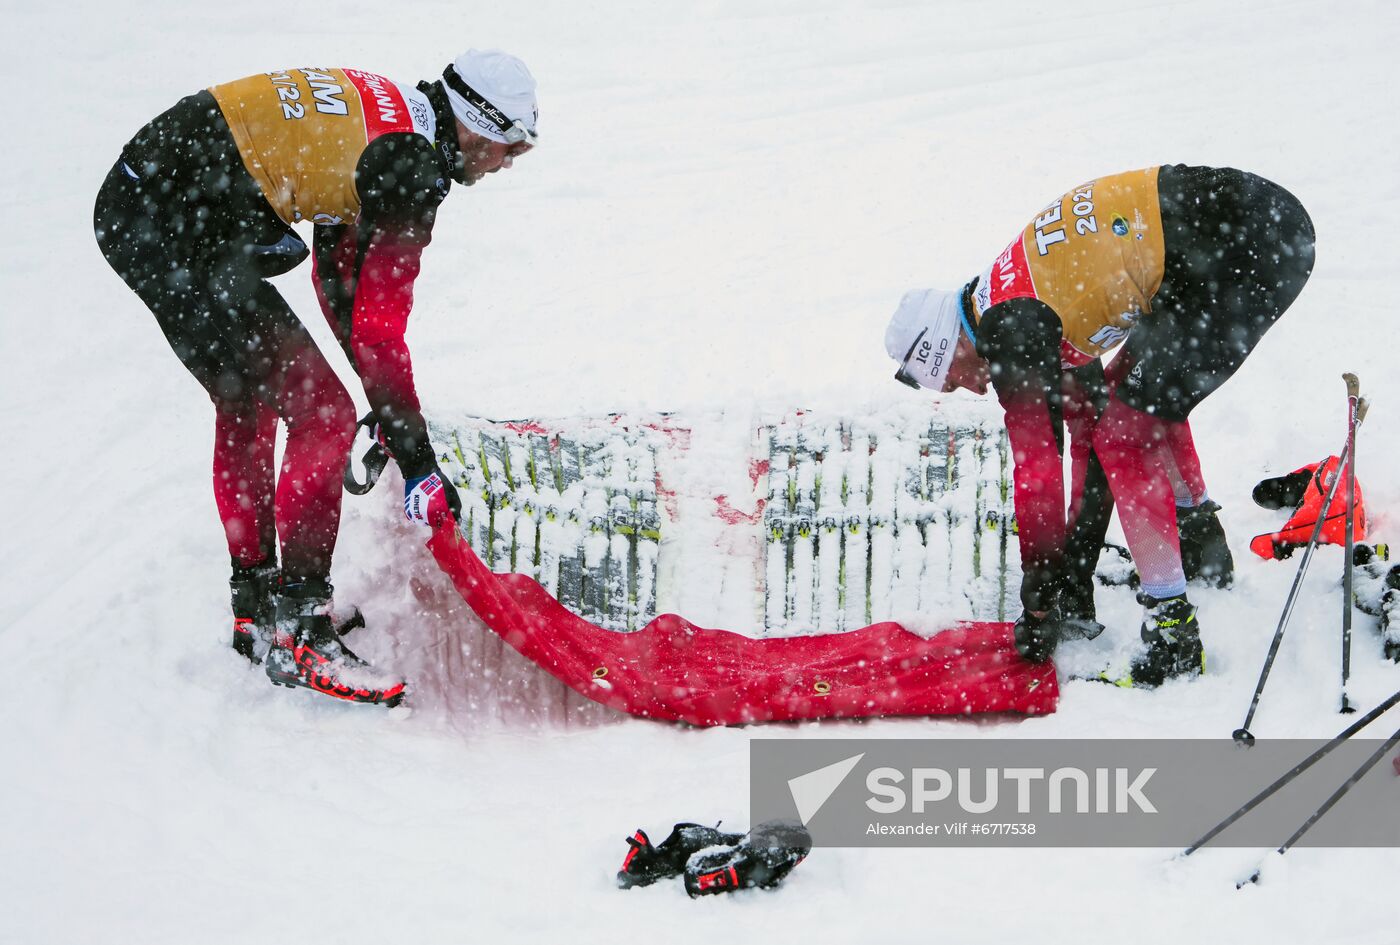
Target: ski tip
1353 384
1361 406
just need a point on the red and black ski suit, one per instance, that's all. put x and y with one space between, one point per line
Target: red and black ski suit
1230 253
195 217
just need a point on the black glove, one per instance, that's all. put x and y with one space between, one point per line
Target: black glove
1037 637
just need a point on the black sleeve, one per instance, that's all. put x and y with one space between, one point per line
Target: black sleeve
1021 341
400 187
400 182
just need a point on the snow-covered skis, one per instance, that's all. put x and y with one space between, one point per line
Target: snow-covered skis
576 511
866 525
839 521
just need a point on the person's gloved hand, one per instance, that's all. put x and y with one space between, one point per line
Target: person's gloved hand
426 499
1037 636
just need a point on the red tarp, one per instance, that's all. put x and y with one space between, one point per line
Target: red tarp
674 670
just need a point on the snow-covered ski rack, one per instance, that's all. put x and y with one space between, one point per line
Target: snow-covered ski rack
868 520
569 503
781 523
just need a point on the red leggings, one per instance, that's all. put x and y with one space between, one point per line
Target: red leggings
1152 467
304 507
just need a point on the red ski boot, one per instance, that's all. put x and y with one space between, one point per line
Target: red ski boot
307 650
254 598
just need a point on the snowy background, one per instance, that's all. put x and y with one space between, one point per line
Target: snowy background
729 200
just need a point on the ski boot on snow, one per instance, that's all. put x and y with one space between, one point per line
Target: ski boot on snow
1075 612
1390 614
1115 567
1390 625
1205 555
1173 642
1376 591
307 650
646 864
254 598
761 858
1077 600
1073 618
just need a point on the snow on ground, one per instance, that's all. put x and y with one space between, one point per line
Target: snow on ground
729 200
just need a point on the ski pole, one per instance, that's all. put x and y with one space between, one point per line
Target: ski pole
1297 769
1242 735
1331 802
1353 396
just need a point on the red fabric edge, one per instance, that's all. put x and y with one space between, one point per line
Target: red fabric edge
674 670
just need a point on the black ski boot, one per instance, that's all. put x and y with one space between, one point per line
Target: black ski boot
1077 600
1173 641
1390 614
1205 555
1115 567
1376 591
307 650
645 864
1072 618
761 858
1075 612
254 594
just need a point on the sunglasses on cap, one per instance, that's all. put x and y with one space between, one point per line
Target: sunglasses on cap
510 129
921 362
904 375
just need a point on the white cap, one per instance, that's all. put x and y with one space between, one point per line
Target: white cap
501 79
923 334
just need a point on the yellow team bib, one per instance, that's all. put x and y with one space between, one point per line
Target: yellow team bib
1095 256
301 133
